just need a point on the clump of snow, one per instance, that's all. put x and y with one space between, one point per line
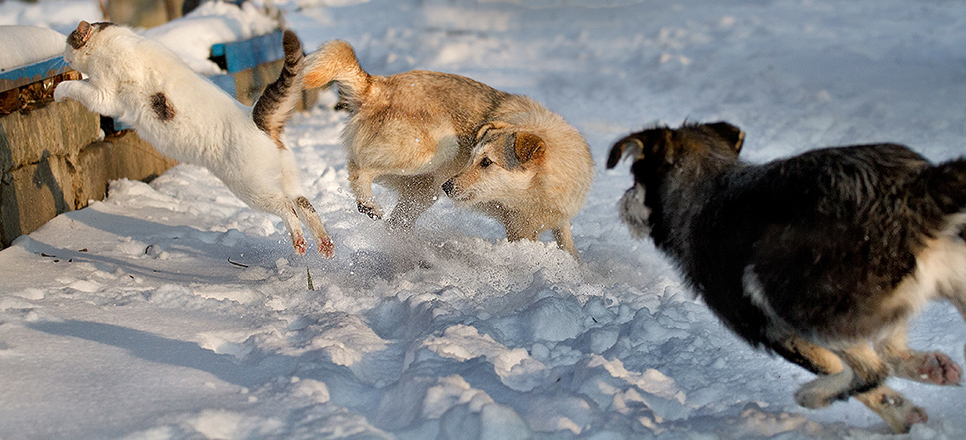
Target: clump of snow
28 44
213 22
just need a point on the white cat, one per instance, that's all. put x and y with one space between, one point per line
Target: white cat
143 84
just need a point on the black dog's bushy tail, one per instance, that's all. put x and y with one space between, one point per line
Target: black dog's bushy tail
946 183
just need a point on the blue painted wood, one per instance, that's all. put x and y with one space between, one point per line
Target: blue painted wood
225 81
30 73
245 54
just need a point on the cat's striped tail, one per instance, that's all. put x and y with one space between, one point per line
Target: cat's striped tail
273 108
336 62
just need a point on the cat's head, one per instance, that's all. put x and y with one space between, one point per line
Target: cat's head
82 42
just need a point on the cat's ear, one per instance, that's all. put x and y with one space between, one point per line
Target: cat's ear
79 37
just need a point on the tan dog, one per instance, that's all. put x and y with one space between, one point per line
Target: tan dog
414 131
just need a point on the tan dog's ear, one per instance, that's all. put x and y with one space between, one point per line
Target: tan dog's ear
495 125
528 147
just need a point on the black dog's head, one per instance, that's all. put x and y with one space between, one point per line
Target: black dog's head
687 153
663 146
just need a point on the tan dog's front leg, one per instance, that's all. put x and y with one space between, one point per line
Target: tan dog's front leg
416 195
565 239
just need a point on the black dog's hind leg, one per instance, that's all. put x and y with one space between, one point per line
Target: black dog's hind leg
857 372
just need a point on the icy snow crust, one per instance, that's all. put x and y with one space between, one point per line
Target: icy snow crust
172 311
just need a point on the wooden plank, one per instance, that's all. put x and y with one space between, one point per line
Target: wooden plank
30 73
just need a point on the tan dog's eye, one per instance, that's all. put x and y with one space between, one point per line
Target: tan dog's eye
486 162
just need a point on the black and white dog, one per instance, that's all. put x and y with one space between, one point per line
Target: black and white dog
821 258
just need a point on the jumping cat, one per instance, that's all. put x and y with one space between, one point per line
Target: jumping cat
184 116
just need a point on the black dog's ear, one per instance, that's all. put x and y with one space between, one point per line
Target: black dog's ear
629 146
729 133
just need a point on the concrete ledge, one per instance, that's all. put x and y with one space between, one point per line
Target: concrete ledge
34 193
57 129
121 156
52 163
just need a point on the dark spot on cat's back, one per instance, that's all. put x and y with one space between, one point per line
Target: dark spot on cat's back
161 107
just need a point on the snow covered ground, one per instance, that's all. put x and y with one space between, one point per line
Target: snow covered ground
172 311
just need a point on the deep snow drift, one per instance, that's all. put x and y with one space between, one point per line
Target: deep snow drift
172 311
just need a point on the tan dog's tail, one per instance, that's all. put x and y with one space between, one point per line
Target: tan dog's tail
336 62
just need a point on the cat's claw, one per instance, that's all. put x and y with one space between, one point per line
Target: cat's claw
300 245
327 248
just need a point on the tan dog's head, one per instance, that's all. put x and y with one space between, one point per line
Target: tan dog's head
501 166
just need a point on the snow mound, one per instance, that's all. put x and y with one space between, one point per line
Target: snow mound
192 36
28 44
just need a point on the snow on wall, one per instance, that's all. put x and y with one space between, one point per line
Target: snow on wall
192 36
28 44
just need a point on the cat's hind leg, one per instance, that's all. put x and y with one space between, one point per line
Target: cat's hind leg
294 227
306 212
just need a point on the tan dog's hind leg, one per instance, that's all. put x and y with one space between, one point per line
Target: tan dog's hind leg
958 298
565 240
360 181
936 368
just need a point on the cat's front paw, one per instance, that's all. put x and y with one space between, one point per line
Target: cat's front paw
63 91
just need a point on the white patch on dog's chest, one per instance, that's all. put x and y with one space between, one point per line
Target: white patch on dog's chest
940 269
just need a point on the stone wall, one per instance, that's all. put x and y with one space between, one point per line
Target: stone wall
52 162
